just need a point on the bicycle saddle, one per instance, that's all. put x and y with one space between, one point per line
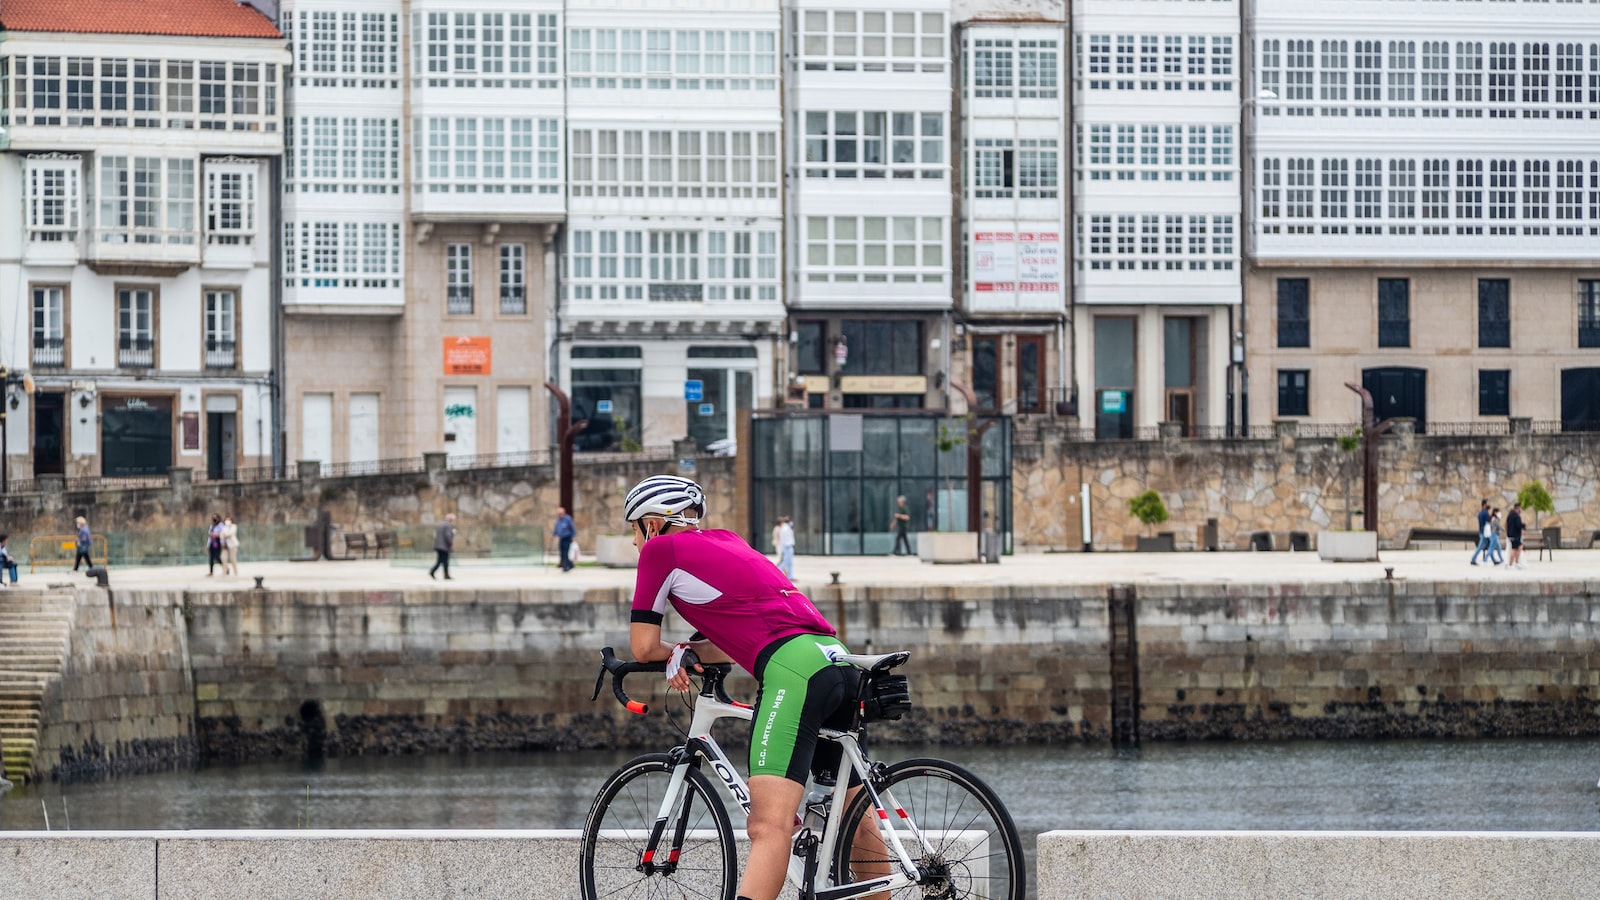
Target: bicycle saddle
876 662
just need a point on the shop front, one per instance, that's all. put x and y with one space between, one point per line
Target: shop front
135 435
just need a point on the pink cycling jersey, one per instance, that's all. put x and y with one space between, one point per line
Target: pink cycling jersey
725 590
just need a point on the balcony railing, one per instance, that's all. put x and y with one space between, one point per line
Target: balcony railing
513 301
221 355
458 302
49 352
136 352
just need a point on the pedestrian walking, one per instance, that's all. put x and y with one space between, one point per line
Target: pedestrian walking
900 524
444 541
214 546
783 540
230 546
85 542
1497 555
7 564
1482 532
1514 536
565 531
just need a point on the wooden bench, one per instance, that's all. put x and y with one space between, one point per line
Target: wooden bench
353 541
385 543
1545 540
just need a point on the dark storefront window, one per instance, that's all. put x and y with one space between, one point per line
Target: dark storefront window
882 347
1394 312
1294 312
810 354
609 399
1294 396
1494 392
1494 312
1589 312
838 475
986 371
136 436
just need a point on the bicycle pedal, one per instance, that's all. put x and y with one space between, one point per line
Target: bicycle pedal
805 844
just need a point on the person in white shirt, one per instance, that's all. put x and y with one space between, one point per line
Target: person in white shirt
783 540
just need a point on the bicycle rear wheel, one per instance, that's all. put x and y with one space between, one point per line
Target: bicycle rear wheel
612 866
971 850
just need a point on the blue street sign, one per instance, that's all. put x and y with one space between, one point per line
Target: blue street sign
708 409
694 391
602 406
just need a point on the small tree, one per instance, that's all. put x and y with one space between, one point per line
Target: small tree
1348 445
1533 496
946 441
1148 508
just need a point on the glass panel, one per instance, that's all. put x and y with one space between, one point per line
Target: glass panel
1179 352
918 453
1113 352
844 516
880 446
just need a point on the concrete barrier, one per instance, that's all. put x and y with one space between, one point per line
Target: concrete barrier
1233 865
543 865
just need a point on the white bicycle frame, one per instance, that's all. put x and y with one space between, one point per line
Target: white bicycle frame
708 710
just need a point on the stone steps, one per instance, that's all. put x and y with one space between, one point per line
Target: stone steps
35 636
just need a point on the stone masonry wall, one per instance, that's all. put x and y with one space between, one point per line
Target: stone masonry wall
285 674
124 702
1292 484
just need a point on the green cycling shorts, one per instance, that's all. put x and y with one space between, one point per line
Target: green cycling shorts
801 692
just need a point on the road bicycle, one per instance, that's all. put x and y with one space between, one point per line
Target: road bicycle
921 828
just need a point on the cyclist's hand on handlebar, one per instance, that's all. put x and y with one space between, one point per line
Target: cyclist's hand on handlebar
683 661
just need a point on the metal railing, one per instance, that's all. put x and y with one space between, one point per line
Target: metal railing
115 482
513 301
404 466
458 301
221 354
500 460
49 352
136 352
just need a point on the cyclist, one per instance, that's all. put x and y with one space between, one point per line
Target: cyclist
745 611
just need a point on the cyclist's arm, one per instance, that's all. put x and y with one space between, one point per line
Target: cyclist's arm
648 646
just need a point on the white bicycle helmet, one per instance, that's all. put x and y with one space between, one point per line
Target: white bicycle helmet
667 496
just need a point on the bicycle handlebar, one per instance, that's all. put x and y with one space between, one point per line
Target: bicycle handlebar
619 669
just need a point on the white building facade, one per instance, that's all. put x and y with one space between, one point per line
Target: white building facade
1156 212
425 186
870 201
137 274
1426 211
1010 345
671 309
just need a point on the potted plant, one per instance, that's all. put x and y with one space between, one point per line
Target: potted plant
1148 509
1533 496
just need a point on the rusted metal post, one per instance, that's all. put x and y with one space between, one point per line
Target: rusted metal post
566 430
1370 430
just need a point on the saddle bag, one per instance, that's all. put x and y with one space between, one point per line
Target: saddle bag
885 697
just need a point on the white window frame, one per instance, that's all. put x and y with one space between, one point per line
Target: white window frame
54 196
230 202
513 279
458 279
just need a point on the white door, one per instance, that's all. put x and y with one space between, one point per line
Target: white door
363 428
316 427
460 421
511 412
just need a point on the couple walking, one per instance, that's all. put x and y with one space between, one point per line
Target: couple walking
222 545
1489 531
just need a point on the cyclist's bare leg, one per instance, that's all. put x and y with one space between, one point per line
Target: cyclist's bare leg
773 801
868 847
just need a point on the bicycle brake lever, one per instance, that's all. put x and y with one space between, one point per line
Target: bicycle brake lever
599 683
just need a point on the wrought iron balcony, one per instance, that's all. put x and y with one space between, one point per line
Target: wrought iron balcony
513 301
49 352
458 302
221 354
136 352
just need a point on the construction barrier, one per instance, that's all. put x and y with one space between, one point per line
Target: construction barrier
61 549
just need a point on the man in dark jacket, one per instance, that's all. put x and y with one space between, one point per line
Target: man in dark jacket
565 530
444 541
1514 537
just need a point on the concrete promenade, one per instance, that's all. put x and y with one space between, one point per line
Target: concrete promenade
1244 568
542 865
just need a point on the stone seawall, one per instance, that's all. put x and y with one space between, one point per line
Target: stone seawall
343 673
124 701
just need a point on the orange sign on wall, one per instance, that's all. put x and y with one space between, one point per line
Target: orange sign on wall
466 356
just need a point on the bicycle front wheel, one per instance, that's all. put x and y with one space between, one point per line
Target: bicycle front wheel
694 858
969 849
